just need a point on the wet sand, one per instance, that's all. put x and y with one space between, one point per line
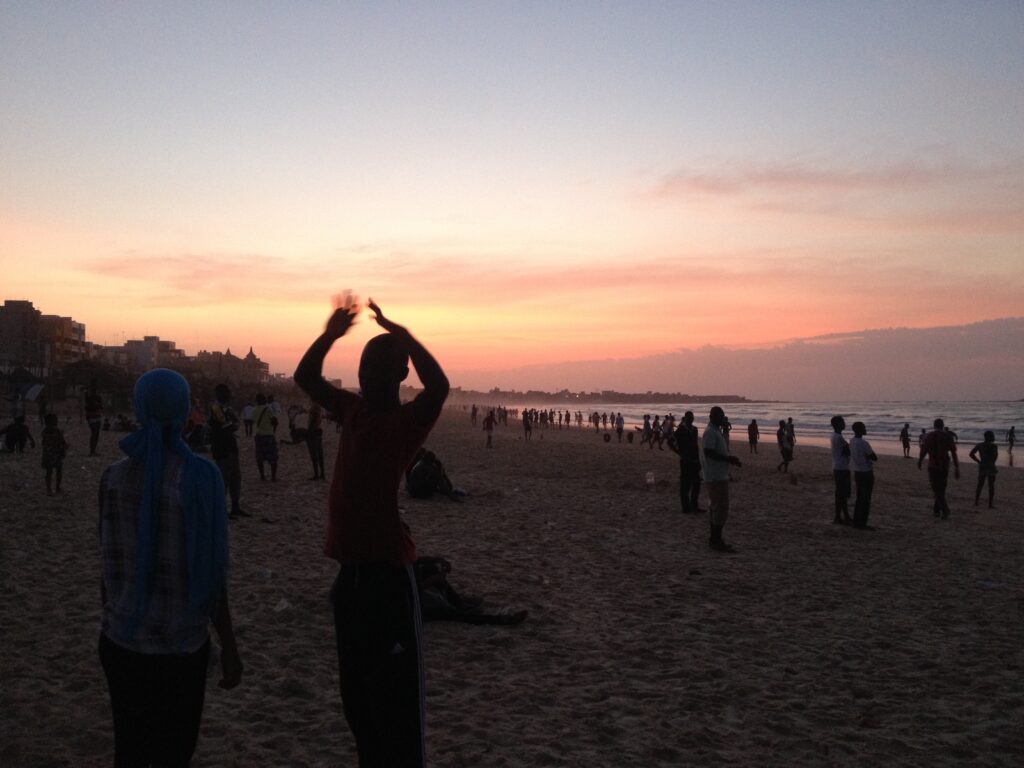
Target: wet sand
814 645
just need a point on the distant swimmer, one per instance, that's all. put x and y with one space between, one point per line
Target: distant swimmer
985 454
905 440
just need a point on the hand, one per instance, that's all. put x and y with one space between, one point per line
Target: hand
346 307
231 668
382 321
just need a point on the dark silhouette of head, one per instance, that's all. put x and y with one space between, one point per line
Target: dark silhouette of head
838 423
939 424
990 436
383 367
261 399
717 416
51 420
859 429
688 418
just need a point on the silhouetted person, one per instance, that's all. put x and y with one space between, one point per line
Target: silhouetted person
527 424
376 607
716 477
785 447
753 435
264 427
840 470
940 449
16 435
863 460
489 422
55 448
94 418
985 454
224 445
905 440
686 443
164 548
315 440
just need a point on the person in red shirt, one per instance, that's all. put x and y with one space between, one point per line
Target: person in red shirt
376 606
939 446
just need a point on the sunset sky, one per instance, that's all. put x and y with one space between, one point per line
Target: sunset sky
520 183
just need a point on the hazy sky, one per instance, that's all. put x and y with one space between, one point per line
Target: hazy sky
520 183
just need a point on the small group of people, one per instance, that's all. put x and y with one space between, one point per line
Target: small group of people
166 505
858 456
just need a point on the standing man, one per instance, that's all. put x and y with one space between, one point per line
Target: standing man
753 434
785 447
224 446
687 445
905 439
264 427
940 448
716 477
863 459
620 423
376 605
93 417
841 470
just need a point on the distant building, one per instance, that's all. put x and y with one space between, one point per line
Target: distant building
224 366
20 337
63 341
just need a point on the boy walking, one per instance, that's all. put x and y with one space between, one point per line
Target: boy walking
376 606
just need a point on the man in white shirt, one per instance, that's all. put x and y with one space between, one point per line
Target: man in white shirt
716 476
863 459
841 470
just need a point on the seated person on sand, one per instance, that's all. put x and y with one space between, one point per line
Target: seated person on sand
426 476
440 602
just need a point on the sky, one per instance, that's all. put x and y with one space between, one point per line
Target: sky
522 184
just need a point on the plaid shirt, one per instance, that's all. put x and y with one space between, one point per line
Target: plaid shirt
167 626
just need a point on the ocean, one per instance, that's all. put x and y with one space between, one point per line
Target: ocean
883 420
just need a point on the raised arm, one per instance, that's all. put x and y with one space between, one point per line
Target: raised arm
435 383
309 373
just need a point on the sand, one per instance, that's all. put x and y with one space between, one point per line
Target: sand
814 645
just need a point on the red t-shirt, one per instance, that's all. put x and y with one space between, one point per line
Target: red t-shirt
363 524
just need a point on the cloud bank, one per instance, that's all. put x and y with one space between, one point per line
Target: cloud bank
979 361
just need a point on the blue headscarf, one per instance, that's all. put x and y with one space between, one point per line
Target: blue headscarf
162 404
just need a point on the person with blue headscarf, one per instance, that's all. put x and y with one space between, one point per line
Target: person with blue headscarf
164 544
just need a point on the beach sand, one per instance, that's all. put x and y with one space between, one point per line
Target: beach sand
814 645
